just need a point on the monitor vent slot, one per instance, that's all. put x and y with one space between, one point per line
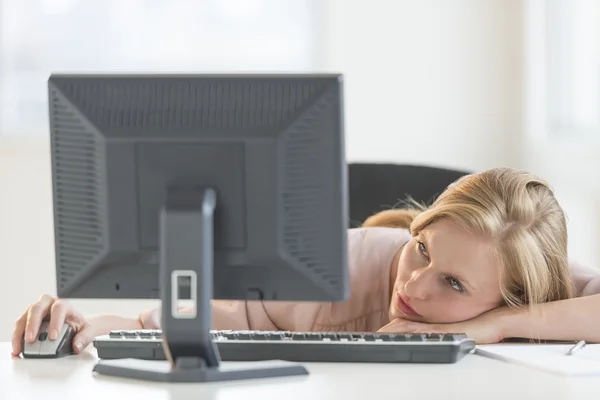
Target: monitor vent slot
303 187
77 186
144 106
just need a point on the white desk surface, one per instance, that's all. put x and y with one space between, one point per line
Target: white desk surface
474 377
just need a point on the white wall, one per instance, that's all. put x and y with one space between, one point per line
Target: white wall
569 160
427 82
435 82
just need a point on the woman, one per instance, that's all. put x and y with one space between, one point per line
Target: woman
488 258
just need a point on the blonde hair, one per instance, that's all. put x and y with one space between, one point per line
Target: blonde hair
520 213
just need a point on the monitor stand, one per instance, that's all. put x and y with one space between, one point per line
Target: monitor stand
186 257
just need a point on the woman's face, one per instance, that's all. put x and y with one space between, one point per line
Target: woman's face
445 274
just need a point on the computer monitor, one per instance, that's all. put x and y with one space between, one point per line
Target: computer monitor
199 187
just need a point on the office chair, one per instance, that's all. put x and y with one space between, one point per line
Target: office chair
377 187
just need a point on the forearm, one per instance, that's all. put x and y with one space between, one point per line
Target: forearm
225 315
103 324
572 319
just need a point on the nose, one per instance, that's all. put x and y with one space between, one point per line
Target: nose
418 286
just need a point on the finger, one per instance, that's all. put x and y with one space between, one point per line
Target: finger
435 329
387 326
36 314
427 330
17 335
83 339
403 327
150 319
58 314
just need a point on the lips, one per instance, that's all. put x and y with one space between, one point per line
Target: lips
405 307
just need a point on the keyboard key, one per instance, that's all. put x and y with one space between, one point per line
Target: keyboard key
276 336
314 336
415 337
369 337
244 336
330 336
299 336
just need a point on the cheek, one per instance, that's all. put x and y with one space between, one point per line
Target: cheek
457 310
407 263
452 308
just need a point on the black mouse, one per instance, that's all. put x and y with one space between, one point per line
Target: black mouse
43 347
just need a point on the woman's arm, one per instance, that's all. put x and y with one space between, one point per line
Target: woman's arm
226 315
105 323
572 319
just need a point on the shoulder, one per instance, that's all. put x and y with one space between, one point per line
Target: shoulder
381 235
374 247
370 255
586 279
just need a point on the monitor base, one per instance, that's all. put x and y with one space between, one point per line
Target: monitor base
193 370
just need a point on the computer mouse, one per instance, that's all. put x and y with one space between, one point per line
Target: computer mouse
43 347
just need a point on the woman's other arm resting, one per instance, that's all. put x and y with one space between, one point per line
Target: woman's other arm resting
572 319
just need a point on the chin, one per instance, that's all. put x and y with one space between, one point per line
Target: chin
393 314
414 319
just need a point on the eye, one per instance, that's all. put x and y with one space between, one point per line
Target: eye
423 249
455 284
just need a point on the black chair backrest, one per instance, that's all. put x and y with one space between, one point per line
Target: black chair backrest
377 187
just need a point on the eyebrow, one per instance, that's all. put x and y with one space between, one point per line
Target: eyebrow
425 238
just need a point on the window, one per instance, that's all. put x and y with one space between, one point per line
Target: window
564 58
38 37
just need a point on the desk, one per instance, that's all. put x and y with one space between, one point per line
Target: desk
474 377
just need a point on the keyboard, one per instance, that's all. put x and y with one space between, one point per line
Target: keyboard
300 346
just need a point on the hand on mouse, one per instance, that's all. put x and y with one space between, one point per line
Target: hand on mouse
60 311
